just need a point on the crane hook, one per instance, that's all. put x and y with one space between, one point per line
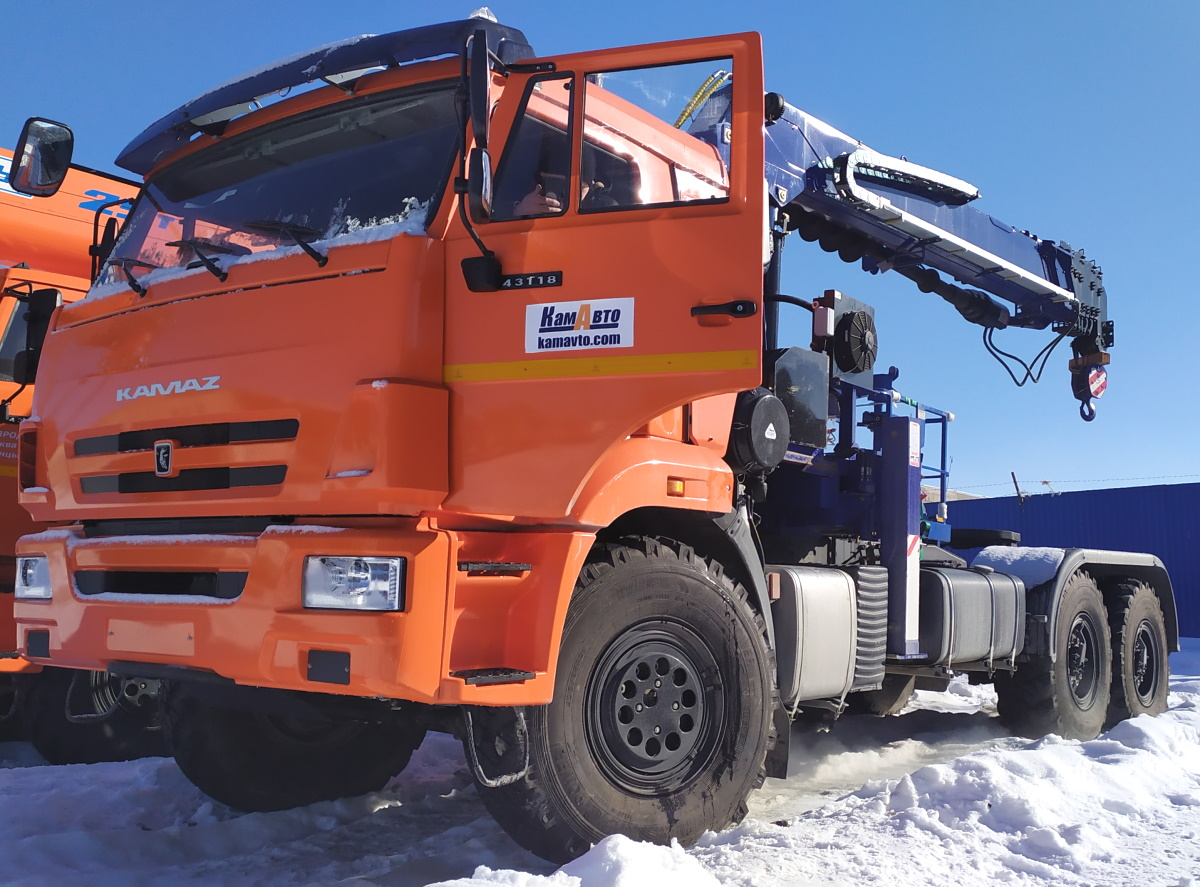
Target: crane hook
1089 383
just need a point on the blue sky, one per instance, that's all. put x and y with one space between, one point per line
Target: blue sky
1076 120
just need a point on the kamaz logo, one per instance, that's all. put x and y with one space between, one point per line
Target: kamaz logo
158 389
163 457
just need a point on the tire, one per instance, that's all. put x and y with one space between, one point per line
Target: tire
1068 696
889 699
258 762
133 730
11 728
662 711
1140 670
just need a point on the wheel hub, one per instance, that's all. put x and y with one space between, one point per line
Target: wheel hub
649 709
1083 665
1145 663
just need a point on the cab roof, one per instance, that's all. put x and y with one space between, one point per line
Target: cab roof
343 60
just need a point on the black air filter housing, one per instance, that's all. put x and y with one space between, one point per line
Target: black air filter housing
760 433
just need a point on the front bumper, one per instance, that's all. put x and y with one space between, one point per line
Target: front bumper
457 623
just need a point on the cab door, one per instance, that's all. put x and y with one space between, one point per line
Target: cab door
628 192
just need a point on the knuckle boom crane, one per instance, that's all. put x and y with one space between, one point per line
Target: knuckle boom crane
355 438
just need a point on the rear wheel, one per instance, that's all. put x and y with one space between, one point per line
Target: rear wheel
662 711
1139 665
131 730
255 761
1068 695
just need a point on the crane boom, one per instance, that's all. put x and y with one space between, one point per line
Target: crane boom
891 213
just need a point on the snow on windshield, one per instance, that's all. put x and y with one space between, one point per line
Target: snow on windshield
375 163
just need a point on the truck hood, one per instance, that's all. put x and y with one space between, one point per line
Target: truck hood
273 392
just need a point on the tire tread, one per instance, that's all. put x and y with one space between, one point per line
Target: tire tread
526 809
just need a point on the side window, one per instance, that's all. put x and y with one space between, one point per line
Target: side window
534 175
656 136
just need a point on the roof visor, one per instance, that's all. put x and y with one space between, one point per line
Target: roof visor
331 63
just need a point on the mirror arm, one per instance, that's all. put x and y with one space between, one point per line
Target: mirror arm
95 249
524 67
5 416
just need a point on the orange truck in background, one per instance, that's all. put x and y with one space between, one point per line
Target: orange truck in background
44 248
354 438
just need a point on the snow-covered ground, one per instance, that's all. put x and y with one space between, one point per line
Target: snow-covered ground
938 796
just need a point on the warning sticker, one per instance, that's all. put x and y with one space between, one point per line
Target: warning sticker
572 326
914 444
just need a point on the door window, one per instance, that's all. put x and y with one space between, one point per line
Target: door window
656 136
535 175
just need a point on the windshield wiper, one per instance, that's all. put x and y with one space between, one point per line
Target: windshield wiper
302 234
199 244
125 264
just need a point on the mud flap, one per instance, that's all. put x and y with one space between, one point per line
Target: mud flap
777 757
497 744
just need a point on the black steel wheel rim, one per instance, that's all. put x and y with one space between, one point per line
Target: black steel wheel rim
1146 658
1083 661
652 707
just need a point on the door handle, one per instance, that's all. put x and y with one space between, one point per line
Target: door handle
738 308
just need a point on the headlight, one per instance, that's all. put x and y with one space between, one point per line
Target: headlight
33 579
354 583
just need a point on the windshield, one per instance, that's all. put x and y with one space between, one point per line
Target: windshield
365 163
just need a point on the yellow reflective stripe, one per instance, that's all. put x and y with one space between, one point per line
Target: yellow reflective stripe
8 470
622 365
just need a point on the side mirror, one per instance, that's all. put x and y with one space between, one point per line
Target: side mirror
479 185
39 309
42 157
481 88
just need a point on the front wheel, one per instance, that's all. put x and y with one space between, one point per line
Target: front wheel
1139 639
1067 695
256 761
662 711
129 729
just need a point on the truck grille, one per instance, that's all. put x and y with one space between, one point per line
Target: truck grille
209 437
224 585
190 479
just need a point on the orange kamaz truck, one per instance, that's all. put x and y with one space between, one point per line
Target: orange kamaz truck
434 384
69 716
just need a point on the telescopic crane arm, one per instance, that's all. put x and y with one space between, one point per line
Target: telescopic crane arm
890 214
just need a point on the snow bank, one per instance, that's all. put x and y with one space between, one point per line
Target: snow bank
939 795
614 862
1122 809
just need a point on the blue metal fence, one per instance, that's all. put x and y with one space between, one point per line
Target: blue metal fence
1161 520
